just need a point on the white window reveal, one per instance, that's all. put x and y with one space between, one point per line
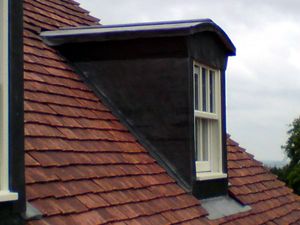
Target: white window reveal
5 194
208 130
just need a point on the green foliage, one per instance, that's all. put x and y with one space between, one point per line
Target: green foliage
293 178
292 147
290 174
280 172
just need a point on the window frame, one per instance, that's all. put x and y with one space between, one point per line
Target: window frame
5 193
212 168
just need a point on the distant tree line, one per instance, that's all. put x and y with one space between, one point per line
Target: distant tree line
290 174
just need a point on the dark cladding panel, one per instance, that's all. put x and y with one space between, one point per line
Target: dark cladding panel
146 83
207 49
152 94
16 139
126 49
224 123
210 188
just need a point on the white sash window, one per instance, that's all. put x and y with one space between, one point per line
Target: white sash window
208 130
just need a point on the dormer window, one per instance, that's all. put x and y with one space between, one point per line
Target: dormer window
208 132
150 86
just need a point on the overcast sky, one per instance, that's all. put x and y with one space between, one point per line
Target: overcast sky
263 80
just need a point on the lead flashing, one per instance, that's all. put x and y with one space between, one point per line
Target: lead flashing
223 206
32 213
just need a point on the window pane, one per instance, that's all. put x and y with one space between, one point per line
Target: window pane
196 87
204 103
212 91
204 138
197 138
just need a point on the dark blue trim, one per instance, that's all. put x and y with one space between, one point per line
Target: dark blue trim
142 24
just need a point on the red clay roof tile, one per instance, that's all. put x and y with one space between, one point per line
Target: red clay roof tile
84 167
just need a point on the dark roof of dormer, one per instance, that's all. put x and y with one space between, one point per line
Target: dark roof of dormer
136 30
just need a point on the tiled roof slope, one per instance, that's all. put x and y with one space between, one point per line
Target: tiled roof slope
252 184
83 167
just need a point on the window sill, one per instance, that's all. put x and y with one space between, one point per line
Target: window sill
6 196
210 176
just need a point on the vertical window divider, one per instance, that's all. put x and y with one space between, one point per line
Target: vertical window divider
200 153
210 143
207 90
200 89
